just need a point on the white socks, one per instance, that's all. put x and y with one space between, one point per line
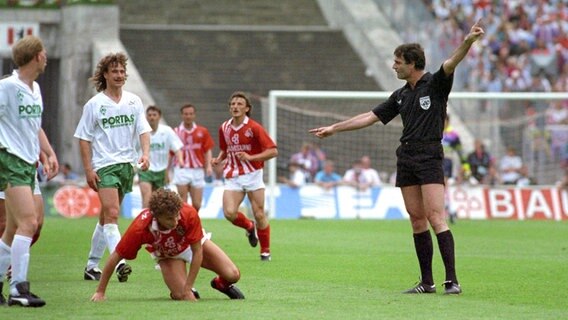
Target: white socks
112 236
20 261
98 246
106 236
5 257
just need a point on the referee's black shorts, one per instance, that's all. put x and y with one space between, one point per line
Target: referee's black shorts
419 163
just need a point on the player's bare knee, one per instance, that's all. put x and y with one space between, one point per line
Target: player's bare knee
111 215
439 226
28 227
234 275
260 216
419 224
230 215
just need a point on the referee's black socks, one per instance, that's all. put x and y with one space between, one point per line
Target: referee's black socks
446 245
424 251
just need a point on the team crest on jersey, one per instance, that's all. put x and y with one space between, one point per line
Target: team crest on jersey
103 110
425 102
180 230
235 139
249 133
20 95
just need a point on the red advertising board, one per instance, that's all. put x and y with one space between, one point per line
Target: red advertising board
536 203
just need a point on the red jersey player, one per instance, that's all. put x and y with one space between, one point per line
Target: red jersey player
172 233
245 145
189 177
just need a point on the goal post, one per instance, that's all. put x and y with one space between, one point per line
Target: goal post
500 119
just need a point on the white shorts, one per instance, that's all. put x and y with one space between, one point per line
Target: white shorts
193 176
247 182
37 191
187 254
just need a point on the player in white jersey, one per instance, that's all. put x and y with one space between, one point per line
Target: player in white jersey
112 122
21 140
163 142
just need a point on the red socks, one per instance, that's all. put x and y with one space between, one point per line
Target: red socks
242 221
221 283
263 235
264 239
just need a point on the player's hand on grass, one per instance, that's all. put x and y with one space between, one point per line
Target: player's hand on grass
97 297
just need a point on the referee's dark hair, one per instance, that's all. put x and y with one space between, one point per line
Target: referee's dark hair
411 53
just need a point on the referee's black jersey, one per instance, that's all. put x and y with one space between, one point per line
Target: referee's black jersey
422 109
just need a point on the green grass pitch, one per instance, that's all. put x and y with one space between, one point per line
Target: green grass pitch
321 269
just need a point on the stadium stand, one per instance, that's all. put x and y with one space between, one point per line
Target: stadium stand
192 58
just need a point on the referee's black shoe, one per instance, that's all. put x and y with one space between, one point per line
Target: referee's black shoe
421 287
451 287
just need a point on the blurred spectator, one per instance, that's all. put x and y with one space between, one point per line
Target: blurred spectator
481 164
307 160
370 174
327 178
296 177
539 82
354 177
516 82
543 57
66 175
557 125
563 183
526 36
525 179
319 154
510 167
451 143
561 84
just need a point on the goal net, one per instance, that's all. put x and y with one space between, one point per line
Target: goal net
501 120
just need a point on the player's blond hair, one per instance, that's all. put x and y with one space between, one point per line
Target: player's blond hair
26 49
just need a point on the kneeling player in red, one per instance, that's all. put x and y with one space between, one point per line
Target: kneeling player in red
171 230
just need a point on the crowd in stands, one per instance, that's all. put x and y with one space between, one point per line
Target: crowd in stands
525 47
311 165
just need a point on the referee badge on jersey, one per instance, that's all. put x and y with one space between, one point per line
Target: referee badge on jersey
425 102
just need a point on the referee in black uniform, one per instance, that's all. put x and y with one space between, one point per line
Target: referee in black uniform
421 103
